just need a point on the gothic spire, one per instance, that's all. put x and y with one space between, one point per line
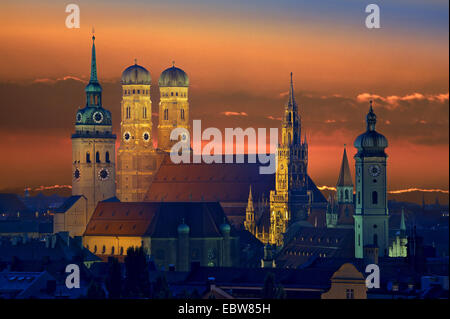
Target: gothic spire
291 102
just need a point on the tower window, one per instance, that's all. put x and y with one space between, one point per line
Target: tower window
144 112
359 197
97 157
128 112
88 157
107 157
350 294
374 198
182 114
166 114
139 91
176 94
134 91
171 93
375 239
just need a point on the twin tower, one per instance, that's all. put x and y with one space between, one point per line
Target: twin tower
93 144
137 158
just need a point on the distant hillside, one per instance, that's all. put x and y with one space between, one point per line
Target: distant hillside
415 196
410 196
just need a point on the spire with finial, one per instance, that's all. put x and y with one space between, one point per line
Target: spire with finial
291 102
371 118
93 78
250 199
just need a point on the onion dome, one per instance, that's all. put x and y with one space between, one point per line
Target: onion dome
183 228
173 77
225 228
371 143
135 74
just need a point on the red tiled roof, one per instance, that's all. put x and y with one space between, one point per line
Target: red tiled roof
156 220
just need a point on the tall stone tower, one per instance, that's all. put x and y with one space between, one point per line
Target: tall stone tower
344 185
136 160
173 105
371 211
289 202
93 147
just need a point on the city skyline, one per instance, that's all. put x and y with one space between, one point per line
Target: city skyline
332 88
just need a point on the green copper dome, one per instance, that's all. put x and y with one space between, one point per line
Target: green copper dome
173 77
371 143
135 74
93 115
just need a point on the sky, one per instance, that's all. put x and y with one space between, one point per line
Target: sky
238 57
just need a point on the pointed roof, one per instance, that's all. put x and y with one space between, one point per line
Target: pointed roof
250 199
345 178
291 102
402 221
93 78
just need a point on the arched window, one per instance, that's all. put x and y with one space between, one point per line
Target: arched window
95 249
112 250
290 116
342 195
144 112
103 249
88 157
107 157
121 250
182 114
166 114
374 198
128 112
346 194
97 157
171 93
375 239
176 94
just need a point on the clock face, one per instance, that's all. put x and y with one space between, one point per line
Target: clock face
97 117
374 170
127 136
76 173
146 136
79 117
103 174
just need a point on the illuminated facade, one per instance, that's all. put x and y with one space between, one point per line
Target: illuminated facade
136 158
371 210
93 151
173 106
289 202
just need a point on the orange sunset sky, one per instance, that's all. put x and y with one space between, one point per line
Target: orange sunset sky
238 57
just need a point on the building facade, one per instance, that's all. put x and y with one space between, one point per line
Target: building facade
173 106
137 160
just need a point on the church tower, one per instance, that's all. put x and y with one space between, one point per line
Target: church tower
93 147
371 210
173 105
289 202
136 160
